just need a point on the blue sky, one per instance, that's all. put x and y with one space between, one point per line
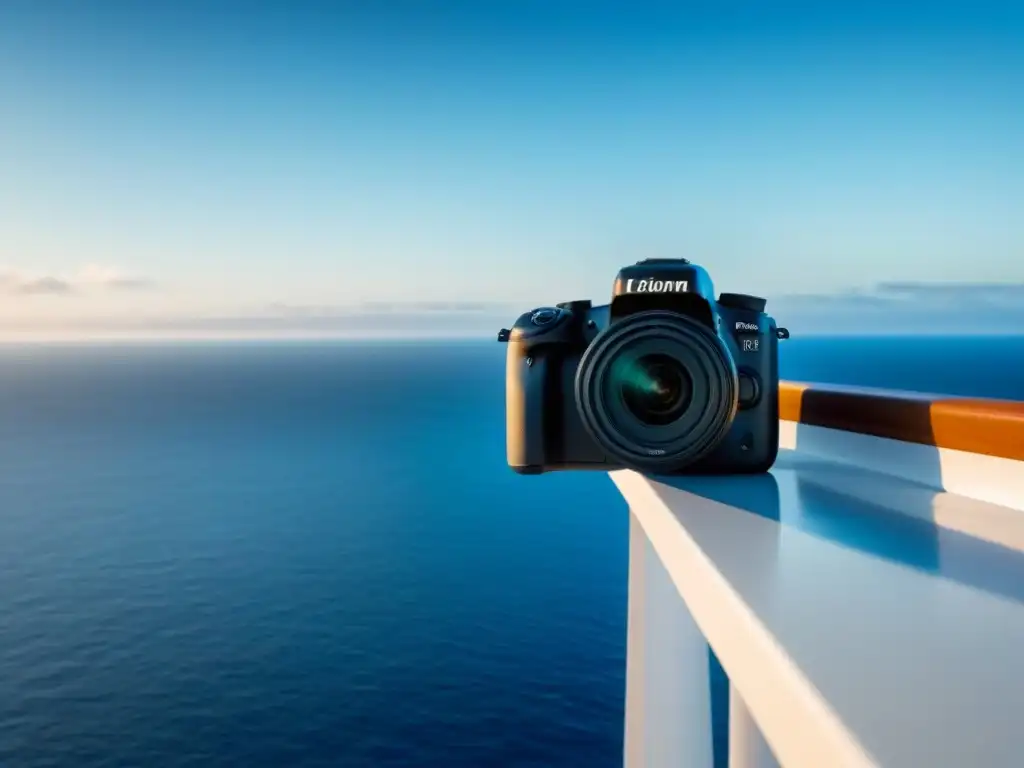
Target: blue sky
245 167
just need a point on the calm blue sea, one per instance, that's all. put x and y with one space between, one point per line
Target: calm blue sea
314 554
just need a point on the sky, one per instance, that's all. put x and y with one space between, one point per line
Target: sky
296 168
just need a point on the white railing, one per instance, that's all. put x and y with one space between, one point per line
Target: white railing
865 598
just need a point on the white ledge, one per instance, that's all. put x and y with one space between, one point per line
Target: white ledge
858 629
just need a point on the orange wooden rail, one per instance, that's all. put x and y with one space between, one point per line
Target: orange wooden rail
990 427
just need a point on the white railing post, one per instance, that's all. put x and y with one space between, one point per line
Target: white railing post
747 746
668 694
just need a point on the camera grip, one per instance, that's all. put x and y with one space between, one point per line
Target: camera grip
525 383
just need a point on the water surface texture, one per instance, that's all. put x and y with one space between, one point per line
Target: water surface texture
314 554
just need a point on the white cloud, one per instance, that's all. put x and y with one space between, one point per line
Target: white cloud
16 283
92 277
887 308
907 307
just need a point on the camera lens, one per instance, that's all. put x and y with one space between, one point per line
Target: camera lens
657 391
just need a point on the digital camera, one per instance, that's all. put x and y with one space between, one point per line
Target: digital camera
664 379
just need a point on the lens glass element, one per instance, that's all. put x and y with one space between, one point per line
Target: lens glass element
656 388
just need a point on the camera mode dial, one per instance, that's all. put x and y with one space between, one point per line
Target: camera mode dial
545 316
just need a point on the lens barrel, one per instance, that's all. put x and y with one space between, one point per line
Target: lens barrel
657 391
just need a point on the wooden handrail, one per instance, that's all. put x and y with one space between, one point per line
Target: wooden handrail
974 425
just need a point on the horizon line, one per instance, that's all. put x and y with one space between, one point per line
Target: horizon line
8 340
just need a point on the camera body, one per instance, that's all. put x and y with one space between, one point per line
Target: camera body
664 379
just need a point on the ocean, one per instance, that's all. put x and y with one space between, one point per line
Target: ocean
313 554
